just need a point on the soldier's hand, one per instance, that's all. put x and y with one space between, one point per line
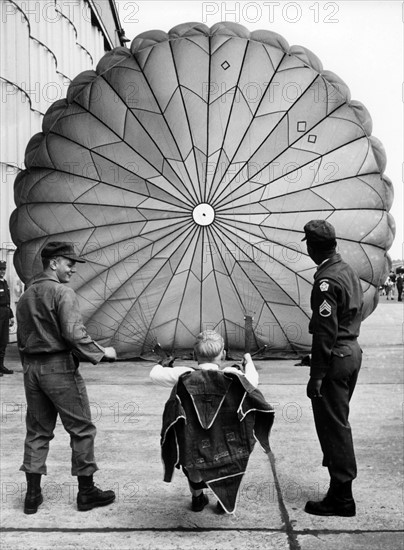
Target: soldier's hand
110 354
11 322
314 388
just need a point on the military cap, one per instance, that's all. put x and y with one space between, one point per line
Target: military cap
57 248
3 264
319 233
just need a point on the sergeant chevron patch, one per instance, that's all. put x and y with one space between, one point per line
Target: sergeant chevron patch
325 309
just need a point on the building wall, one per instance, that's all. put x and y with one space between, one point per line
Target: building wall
44 44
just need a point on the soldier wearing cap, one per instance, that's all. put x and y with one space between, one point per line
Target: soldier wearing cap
336 303
6 317
51 338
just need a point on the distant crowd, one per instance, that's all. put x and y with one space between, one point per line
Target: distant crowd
393 284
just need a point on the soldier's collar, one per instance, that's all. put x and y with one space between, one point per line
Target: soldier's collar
329 261
323 262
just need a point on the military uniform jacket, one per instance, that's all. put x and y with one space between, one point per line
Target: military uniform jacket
210 424
336 302
5 310
49 321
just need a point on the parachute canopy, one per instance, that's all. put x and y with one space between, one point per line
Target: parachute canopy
184 170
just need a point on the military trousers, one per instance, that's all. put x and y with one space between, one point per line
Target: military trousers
331 412
4 330
54 386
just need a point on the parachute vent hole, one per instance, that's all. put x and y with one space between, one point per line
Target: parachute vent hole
203 214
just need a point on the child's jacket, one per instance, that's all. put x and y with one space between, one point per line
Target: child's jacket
210 424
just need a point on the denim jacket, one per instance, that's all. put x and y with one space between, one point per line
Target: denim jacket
210 423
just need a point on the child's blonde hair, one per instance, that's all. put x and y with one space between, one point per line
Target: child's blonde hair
209 345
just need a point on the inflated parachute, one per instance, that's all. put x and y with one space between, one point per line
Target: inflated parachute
184 170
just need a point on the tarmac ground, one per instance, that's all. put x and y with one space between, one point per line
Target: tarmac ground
151 514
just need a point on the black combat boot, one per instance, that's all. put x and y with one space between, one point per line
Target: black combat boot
338 502
34 497
3 369
89 496
199 502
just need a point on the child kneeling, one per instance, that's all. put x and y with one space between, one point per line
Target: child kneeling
211 421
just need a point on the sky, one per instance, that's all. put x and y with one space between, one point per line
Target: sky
360 41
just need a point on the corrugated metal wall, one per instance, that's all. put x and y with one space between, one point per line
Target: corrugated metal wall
44 44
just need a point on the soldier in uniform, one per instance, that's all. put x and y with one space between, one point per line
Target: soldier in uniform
6 317
51 340
399 284
336 303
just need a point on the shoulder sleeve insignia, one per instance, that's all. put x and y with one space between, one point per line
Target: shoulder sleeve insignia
325 309
324 286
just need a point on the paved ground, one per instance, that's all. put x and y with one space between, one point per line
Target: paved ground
150 514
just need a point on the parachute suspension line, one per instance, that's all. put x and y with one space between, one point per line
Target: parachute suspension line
143 126
189 126
204 249
229 228
190 236
197 231
212 238
321 158
285 115
191 197
212 190
242 301
143 294
93 279
248 333
264 301
205 183
248 126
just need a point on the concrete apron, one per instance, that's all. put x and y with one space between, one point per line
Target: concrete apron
149 513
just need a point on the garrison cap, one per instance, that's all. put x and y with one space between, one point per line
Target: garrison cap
57 248
3 264
320 234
